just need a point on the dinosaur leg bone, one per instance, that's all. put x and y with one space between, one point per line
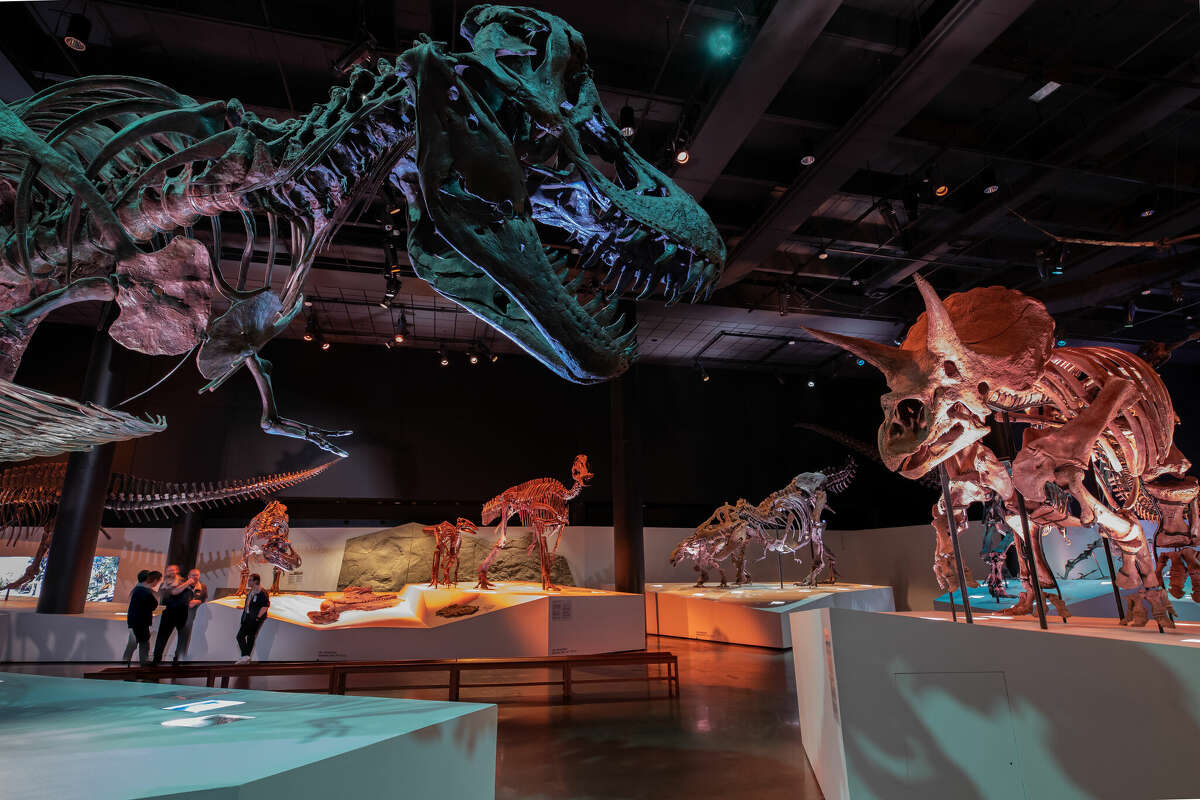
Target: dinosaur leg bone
272 423
506 511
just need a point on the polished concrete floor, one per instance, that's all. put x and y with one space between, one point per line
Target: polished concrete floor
732 733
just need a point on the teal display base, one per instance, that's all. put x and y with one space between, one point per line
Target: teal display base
1084 598
68 737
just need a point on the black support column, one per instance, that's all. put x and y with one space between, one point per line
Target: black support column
184 547
77 526
629 568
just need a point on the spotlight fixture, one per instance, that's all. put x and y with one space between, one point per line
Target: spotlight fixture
493 358
1130 312
398 338
682 156
822 254
811 383
402 329
1177 293
808 155
325 343
627 121
912 201
307 303
941 190
444 359
791 341
990 184
310 329
79 30
1061 343
1145 206
889 216
472 357
860 362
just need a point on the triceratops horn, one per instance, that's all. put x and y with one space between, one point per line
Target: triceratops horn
940 336
884 357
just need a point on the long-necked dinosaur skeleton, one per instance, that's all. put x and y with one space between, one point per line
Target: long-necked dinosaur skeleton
1089 409
102 180
541 505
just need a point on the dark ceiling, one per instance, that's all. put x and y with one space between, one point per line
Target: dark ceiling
890 99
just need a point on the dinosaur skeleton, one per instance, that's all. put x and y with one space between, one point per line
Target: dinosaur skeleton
541 505
30 494
784 522
102 180
447 541
991 350
266 536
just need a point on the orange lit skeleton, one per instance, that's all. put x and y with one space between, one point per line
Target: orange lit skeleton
267 537
447 541
541 505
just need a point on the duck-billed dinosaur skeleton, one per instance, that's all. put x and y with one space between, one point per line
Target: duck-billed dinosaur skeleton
103 178
991 350
784 522
541 505
30 494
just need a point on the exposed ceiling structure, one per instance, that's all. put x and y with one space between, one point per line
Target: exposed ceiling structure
818 134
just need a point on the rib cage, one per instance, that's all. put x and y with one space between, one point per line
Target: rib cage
30 494
537 500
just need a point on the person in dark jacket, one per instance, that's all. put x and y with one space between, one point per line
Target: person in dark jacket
253 615
176 596
199 598
140 615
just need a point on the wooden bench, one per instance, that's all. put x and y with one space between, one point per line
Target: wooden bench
339 671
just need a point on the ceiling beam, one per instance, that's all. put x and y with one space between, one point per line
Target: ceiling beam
781 44
966 29
1140 113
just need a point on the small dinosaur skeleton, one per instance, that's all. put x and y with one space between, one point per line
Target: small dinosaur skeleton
102 180
784 522
447 541
541 505
30 494
991 350
267 538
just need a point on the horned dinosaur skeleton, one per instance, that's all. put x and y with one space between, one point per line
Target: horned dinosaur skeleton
30 494
784 522
266 536
103 179
541 506
991 350
447 541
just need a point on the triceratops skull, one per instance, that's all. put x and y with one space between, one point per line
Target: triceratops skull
987 343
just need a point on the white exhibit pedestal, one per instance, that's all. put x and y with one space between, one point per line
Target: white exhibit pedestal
903 706
68 737
513 620
754 613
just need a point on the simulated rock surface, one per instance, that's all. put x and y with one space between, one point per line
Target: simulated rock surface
386 560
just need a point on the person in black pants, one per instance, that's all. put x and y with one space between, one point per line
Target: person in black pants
199 598
176 598
253 615
142 603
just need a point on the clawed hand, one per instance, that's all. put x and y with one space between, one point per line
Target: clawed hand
309 433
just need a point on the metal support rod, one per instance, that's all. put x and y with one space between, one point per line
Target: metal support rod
953 609
958 563
1112 578
779 561
1027 543
77 525
629 557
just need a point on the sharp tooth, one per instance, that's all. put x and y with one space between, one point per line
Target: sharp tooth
593 305
615 328
668 251
650 282
610 311
624 280
629 338
573 286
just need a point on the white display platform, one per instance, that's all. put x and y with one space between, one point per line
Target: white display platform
73 738
907 706
754 613
513 620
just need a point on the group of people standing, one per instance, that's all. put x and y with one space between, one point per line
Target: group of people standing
180 599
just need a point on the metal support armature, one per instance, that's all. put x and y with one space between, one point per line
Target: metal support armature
958 563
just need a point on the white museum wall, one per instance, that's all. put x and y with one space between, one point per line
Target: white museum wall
899 557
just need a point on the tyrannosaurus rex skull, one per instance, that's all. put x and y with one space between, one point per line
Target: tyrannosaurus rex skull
986 343
508 136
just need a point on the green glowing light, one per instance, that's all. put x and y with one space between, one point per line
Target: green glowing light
721 42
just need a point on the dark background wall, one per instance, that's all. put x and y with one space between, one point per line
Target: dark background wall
431 441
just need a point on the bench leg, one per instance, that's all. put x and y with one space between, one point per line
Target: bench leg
566 682
210 680
333 682
455 678
224 681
